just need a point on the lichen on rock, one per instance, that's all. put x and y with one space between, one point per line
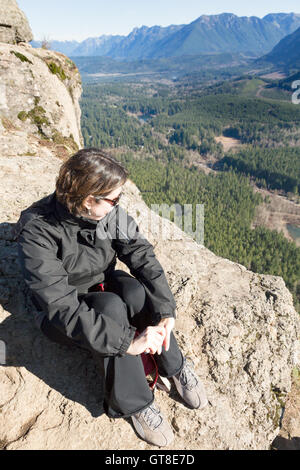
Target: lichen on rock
32 92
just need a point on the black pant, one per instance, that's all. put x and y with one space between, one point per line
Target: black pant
126 388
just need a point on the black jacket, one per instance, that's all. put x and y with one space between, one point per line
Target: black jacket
62 256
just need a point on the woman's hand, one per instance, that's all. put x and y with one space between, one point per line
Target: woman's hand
168 325
150 340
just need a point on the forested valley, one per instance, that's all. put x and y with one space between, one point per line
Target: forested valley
166 135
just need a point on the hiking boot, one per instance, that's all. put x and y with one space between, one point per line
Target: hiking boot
152 426
189 386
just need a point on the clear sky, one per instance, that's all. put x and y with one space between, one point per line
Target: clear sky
78 19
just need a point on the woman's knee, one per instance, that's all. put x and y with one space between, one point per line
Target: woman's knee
130 289
109 304
135 295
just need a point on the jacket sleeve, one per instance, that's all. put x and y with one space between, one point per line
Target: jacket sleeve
47 281
137 253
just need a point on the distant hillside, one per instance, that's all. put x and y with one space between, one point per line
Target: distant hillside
97 46
287 22
65 47
286 53
207 34
143 43
171 68
138 44
226 33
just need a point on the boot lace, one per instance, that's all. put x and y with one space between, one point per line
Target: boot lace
152 416
187 376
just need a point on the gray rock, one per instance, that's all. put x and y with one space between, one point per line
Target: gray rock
14 26
39 110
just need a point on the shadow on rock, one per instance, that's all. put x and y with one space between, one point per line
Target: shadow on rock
71 371
281 443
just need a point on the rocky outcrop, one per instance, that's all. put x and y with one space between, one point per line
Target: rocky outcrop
239 327
14 27
39 102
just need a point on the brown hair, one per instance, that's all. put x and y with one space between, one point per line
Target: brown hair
90 171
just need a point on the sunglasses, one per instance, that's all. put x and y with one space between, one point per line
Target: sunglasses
112 202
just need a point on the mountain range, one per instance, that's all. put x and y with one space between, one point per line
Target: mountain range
286 54
208 34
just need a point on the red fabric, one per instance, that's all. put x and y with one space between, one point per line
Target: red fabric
149 362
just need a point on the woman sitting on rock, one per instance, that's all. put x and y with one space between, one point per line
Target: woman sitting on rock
68 244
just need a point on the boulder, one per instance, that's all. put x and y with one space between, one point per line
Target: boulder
14 26
39 102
